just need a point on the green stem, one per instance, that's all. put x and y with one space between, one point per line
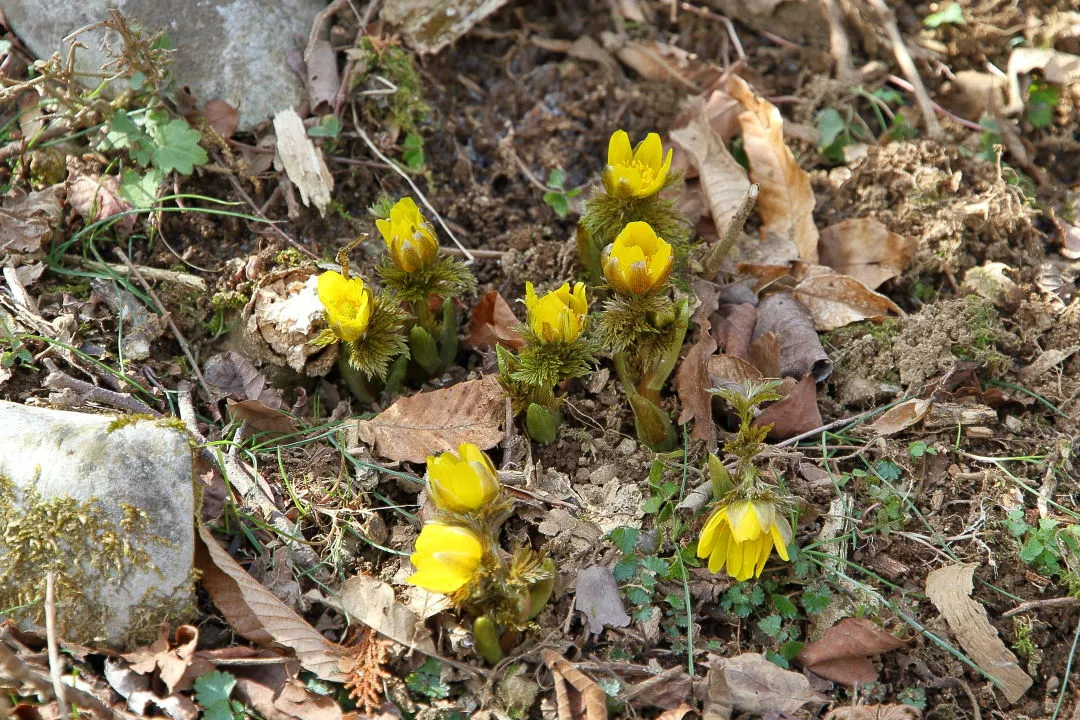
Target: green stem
654 380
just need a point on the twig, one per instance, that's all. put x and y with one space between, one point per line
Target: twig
710 15
343 88
176 331
907 65
720 250
905 85
185 280
320 20
1058 602
59 380
371 146
839 45
56 668
18 290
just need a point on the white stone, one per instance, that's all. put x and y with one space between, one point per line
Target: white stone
142 464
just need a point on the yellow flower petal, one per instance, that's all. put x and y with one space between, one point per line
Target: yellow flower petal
638 262
410 239
462 484
650 152
635 173
559 316
446 558
619 151
347 304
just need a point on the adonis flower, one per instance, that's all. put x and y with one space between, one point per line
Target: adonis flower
741 535
463 483
638 262
559 316
347 304
639 172
409 238
446 558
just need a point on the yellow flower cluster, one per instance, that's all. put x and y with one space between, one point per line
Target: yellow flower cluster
638 172
559 316
741 535
449 555
347 304
638 262
409 237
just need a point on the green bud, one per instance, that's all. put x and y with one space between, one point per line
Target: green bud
358 385
719 477
540 592
395 377
653 426
486 640
541 424
423 349
448 341
589 254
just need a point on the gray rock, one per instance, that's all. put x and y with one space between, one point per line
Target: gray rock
108 505
234 50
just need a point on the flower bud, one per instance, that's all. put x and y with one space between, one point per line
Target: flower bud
638 262
463 483
410 238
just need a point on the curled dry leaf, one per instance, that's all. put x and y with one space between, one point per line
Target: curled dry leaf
221 116
718 702
27 220
901 416
256 614
492 323
786 200
795 414
793 326
843 653
577 696
839 300
676 713
234 375
764 354
174 659
949 589
692 378
597 596
875 712
432 422
261 416
729 371
758 686
372 602
990 281
662 62
866 250
320 61
303 162
96 197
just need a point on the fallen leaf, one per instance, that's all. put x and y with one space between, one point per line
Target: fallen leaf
134 688
372 602
221 116
758 686
718 702
949 589
275 694
901 416
320 62
175 661
234 375
1049 359
875 712
733 327
28 220
764 354
430 25
96 197
492 323
303 162
786 199
722 178
597 596
866 250
667 690
432 422
577 696
1071 247
730 371
1058 68
261 417
990 281
795 414
692 378
677 713
256 614
792 324
843 653
839 300
663 62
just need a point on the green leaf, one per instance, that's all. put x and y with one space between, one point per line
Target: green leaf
624 569
952 15
830 124
784 606
140 190
771 625
638 596
888 470
814 600
212 692
652 505
656 472
123 133
1032 550
791 648
557 202
413 151
329 126
625 538
1016 523
777 659
556 179
1041 101
427 680
177 146
654 564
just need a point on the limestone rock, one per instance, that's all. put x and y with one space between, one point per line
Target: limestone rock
234 50
108 505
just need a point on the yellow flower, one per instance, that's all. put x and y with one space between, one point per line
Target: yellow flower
640 172
409 237
348 304
462 483
446 558
742 534
638 262
559 316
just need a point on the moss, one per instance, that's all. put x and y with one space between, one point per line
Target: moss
405 107
123 421
289 258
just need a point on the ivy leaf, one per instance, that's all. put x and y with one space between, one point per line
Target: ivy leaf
177 146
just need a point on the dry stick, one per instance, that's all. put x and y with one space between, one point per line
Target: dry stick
371 146
839 45
56 669
184 280
720 250
214 412
1059 602
339 101
59 380
903 57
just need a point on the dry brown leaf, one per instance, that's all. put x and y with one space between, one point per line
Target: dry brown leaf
372 602
692 378
432 422
320 61
275 693
492 323
875 712
839 300
662 62
222 117
303 162
759 686
901 416
27 220
430 25
866 250
234 375
175 662
256 614
764 354
717 704
96 197
597 596
786 200
733 328
677 713
261 417
577 696
722 178
843 653
730 371
949 588
795 414
793 326
1047 360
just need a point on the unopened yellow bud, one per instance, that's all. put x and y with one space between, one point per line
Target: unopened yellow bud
559 316
464 483
410 238
446 558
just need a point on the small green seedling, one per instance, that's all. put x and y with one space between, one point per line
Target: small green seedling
558 197
212 692
1041 101
951 15
412 152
